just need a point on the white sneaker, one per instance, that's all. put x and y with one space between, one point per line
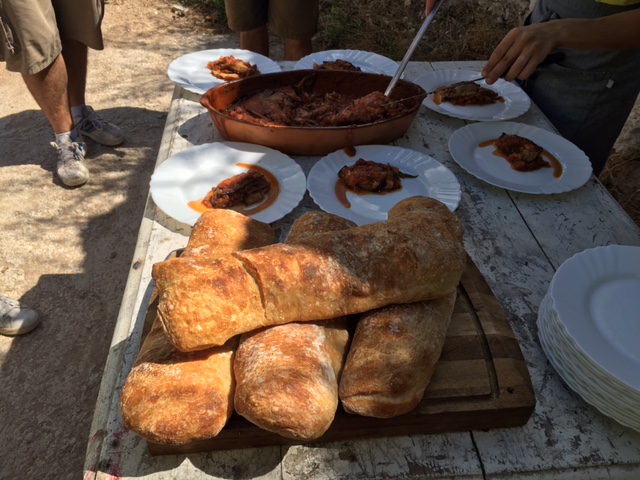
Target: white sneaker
91 125
70 167
15 318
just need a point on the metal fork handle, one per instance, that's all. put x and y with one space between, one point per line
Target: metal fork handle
412 48
550 59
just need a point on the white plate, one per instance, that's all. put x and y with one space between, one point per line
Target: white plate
191 174
481 162
191 73
434 180
367 61
595 386
516 101
594 391
584 369
596 294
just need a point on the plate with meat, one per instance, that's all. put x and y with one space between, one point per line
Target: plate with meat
520 157
472 101
350 60
363 183
203 70
258 181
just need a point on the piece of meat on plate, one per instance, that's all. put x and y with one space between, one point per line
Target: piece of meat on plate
337 64
243 189
232 68
369 176
523 154
467 94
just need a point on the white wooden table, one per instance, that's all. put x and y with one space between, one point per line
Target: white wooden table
516 240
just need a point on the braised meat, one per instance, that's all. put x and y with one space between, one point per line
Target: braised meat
337 65
300 106
369 176
467 94
232 68
523 154
368 109
244 189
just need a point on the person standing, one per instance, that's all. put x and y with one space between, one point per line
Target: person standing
589 95
296 21
47 42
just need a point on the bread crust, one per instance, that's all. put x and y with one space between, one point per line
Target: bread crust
173 397
394 352
287 375
416 255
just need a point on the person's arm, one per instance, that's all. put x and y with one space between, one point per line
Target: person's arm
523 48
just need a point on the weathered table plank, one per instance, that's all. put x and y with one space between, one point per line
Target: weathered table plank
516 240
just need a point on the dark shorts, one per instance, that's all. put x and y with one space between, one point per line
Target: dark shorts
31 31
589 95
290 19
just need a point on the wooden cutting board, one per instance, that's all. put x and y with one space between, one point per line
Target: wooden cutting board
481 382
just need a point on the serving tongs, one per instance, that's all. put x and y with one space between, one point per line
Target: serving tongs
412 48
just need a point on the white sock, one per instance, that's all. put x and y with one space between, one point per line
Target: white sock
61 136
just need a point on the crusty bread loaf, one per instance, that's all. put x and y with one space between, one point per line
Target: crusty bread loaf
172 397
220 231
416 255
287 375
393 354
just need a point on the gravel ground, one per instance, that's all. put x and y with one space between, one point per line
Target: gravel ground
66 252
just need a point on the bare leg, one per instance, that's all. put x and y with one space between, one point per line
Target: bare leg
256 40
75 57
296 49
49 90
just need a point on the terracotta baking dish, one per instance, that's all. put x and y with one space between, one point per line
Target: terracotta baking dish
312 140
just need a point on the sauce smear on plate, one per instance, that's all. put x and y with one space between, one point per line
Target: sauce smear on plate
270 198
554 163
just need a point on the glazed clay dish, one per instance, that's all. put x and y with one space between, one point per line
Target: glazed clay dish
314 140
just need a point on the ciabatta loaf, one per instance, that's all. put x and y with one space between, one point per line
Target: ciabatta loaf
287 375
220 232
172 397
394 352
416 255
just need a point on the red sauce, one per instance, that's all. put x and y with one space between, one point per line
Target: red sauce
341 193
271 197
553 161
349 151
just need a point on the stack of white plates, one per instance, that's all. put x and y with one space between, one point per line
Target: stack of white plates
589 328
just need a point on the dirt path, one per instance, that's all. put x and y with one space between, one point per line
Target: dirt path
67 252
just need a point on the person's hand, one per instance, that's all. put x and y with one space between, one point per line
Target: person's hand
521 51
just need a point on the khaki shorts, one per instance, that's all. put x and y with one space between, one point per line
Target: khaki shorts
31 31
290 19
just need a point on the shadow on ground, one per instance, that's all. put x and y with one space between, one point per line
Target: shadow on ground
76 247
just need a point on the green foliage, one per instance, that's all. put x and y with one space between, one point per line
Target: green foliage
462 29
208 7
